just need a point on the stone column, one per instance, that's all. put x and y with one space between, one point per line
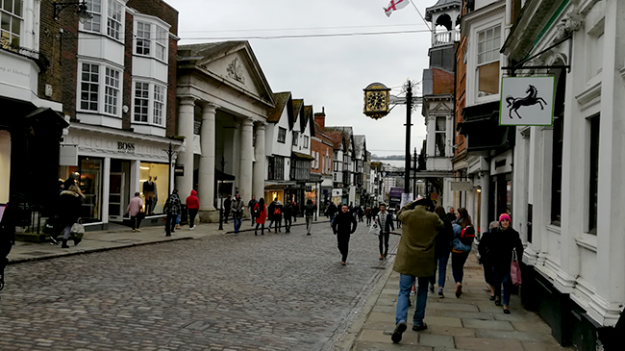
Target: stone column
485 197
206 173
247 160
185 128
258 187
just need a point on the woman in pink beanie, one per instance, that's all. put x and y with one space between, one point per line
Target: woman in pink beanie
502 241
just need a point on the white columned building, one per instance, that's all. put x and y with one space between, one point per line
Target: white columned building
224 101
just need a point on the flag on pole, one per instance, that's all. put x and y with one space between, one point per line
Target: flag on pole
395 5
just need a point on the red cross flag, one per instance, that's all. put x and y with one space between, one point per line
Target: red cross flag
395 5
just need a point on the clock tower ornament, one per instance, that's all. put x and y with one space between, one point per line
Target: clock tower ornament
377 99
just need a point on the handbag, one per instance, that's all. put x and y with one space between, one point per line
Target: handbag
515 270
374 229
77 231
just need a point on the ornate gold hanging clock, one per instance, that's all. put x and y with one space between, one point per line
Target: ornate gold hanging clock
377 97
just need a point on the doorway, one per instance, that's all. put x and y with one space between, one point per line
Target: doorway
119 193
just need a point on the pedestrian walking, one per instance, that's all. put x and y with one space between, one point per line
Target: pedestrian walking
486 257
451 215
287 212
384 220
462 218
260 211
70 203
8 216
503 241
134 209
344 226
309 211
277 217
172 208
332 209
193 206
227 207
237 213
361 214
415 262
270 209
250 205
461 247
368 215
442 250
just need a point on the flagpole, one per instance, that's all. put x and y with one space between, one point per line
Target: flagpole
419 12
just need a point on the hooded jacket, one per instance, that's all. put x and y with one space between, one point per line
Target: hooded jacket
193 203
416 251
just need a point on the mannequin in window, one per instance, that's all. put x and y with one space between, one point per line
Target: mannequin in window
155 198
148 192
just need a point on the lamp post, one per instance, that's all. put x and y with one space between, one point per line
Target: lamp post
221 196
82 10
170 154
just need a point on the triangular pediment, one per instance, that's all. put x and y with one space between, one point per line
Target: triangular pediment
439 107
234 64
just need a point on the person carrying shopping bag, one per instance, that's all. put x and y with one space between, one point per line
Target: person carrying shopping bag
461 247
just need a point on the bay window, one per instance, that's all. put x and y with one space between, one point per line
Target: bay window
440 136
94 7
151 38
149 100
112 10
488 45
162 37
114 22
91 87
143 39
11 23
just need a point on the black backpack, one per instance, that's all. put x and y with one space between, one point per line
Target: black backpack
467 235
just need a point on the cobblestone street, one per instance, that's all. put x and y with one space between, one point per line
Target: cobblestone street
225 292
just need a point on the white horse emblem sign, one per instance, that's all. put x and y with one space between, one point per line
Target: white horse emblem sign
527 101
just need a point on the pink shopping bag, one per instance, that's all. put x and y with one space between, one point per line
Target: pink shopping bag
515 270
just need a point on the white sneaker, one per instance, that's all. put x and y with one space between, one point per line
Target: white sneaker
192 228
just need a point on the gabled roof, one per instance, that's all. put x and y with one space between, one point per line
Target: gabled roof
336 137
347 133
297 109
283 100
320 133
308 120
360 145
197 56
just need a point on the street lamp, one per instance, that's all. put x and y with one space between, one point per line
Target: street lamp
170 154
82 10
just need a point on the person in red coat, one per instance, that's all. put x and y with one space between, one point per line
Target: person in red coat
193 206
260 213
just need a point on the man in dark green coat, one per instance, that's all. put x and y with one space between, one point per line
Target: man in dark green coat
415 260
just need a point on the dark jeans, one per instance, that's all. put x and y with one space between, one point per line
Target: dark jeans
262 229
278 226
369 220
383 237
135 221
398 223
226 214
287 224
192 214
253 220
502 278
457 265
5 248
343 244
170 223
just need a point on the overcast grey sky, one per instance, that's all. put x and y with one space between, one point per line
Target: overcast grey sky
326 71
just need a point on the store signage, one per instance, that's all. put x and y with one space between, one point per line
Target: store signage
461 186
125 148
527 101
337 192
179 171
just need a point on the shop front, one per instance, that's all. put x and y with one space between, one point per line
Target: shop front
112 165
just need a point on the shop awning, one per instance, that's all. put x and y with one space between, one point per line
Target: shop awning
302 156
45 116
482 129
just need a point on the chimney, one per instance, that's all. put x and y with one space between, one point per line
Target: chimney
320 118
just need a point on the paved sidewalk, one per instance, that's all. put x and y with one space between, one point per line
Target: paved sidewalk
121 238
471 322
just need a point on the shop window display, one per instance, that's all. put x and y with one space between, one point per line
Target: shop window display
88 176
153 186
5 165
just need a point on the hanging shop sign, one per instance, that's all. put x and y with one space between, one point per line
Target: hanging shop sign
179 171
527 101
461 186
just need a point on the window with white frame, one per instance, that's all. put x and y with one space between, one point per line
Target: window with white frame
281 135
162 38
96 94
306 140
114 21
111 91
10 31
440 136
142 102
89 87
488 46
149 100
143 38
94 24
295 138
159 104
